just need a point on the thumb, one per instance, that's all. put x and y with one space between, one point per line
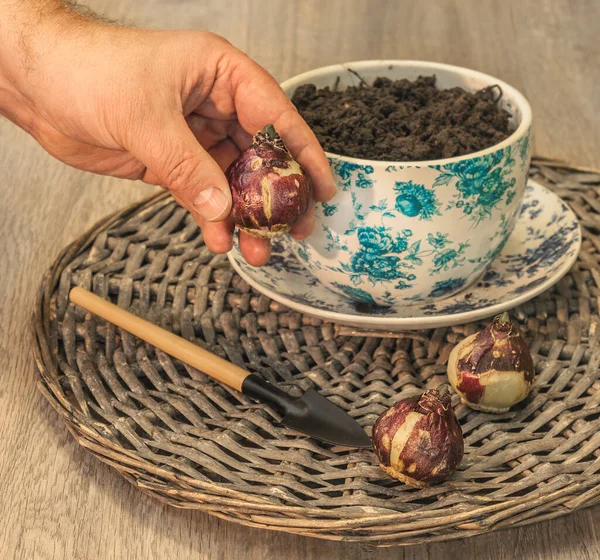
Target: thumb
176 161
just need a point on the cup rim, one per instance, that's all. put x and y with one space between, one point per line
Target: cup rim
522 104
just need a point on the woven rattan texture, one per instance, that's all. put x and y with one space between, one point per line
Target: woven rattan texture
193 443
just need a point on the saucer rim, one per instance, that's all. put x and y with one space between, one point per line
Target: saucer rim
424 321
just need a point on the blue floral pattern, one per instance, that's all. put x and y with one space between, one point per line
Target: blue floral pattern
532 207
444 257
334 241
405 234
415 200
497 243
355 293
383 257
329 209
347 171
394 168
447 287
546 250
524 149
481 183
541 249
412 201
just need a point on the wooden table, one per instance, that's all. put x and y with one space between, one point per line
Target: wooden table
60 503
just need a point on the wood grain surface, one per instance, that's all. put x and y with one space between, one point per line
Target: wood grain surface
57 502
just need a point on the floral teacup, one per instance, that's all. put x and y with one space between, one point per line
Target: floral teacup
412 232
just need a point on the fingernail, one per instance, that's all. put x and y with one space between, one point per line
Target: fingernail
211 203
332 190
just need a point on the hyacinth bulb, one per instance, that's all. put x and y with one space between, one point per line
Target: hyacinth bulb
419 441
492 370
270 190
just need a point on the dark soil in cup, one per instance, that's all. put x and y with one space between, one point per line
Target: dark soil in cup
403 120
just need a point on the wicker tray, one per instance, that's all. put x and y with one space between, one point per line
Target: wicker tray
192 443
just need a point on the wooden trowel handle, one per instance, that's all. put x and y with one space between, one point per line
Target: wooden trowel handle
170 343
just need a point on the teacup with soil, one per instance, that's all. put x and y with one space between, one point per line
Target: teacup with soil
431 164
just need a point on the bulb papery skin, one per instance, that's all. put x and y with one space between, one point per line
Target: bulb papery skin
492 370
419 441
270 191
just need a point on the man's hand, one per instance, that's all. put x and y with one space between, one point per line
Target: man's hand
170 108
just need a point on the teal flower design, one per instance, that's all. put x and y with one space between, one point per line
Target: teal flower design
362 182
497 243
377 241
492 188
388 298
355 293
329 209
346 170
524 148
382 208
377 267
415 200
438 241
445 257
472 172
333 240
445 287
380 256
303 254
481 183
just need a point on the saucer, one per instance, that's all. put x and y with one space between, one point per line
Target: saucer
541 249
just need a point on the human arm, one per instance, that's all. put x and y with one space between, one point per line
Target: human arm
172 108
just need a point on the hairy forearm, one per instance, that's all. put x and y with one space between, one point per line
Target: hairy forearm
24 26
32 35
